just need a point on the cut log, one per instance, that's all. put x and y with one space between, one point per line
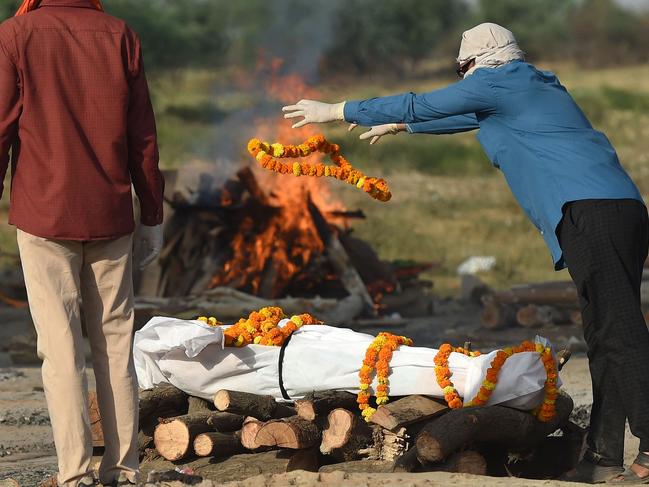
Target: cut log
198 405
408 462
294 433
345 436
496 316
246 404
249 430
174 437
552 293
218 445
499 425
407 410
467 461
225 422
161 402
95 421
322 403
533 316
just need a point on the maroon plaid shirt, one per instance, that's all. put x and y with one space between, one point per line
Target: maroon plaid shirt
75 108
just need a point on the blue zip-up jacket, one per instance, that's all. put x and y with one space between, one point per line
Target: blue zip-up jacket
530 128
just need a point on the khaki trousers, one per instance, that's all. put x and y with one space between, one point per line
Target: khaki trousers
63 277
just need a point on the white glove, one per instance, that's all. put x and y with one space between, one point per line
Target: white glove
375 133
314 112
149 244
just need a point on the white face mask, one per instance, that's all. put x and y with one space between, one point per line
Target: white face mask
491 45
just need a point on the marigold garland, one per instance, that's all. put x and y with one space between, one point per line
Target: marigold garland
378 357
269 155
545 413
262 328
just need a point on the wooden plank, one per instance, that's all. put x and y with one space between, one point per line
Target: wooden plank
407 410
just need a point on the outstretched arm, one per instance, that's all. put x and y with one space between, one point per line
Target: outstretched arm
448 125
469 96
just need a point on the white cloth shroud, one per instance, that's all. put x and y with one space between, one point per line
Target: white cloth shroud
191 356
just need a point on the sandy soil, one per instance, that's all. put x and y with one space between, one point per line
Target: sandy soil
27 451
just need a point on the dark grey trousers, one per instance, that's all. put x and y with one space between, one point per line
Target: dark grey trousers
605 245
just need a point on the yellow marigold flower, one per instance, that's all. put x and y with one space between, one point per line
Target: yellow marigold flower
297 169
260 155
213 321
297 320
382 400
448 389
258 340
364 387
509 351
202 318
360 183
368 413
277 150
490 386
239 341
539 348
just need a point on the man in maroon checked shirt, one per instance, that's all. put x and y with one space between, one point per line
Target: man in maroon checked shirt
75 113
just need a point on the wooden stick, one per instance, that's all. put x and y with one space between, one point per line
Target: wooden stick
249 430
162 401
408 410
322 403
496 315
225 422
217 445
345 436
294 433
198 405
173 438
246 404
499 425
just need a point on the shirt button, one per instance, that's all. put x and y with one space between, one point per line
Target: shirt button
542 232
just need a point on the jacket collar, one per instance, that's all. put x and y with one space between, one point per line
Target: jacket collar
66 3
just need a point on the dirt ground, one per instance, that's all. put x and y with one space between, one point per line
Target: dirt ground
27 452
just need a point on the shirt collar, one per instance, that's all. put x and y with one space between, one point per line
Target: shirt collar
67 3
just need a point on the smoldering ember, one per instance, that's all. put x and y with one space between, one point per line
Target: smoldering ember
212 274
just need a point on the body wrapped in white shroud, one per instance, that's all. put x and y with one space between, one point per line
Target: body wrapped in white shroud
191 356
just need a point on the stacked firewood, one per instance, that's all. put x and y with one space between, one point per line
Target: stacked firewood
540 304
325 432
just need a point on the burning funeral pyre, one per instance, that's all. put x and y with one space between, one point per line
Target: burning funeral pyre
237 239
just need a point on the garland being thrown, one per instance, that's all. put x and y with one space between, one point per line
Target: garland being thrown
269 155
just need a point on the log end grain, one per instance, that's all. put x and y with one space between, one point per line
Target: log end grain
336 435
172 439
203 445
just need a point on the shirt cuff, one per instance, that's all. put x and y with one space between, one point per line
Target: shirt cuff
350 111
409 129
151 220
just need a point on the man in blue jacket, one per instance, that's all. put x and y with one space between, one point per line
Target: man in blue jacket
568 180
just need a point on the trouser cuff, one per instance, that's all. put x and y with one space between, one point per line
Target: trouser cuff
599 459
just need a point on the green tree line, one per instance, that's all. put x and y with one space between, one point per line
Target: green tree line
365 36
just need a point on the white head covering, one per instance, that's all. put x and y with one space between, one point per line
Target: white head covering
491 45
